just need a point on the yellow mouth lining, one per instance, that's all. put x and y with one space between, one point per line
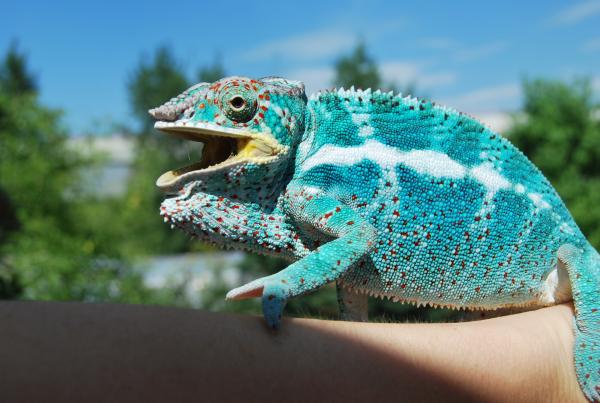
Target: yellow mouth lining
220 149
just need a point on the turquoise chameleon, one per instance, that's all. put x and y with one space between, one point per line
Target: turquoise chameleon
388 196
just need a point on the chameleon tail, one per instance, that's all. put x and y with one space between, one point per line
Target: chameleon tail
583 266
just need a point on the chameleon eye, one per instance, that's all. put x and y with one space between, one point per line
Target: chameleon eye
238 103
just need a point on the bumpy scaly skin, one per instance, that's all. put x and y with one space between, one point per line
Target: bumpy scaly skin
388 196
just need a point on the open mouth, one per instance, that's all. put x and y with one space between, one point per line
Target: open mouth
222 147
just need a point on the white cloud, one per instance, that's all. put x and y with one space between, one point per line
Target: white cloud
497 121
400 71
407 72
575 13
461 52
468 54
486 99
435 80
593 45
309 46
440 43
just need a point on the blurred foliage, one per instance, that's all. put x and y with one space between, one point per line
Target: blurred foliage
154 82
357 69
212 73
559 130
360 70
52 251
14 76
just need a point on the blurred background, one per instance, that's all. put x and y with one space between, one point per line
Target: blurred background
78 156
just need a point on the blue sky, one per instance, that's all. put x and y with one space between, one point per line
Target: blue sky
471 55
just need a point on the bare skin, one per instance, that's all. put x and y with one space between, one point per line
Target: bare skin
98 352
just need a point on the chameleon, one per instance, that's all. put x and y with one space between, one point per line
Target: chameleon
385 195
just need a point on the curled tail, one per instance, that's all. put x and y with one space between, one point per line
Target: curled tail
583 266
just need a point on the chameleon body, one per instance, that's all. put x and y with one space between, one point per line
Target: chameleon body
389 196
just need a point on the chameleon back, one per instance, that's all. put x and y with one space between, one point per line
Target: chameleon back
463 218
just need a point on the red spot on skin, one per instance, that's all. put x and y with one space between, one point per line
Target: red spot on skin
354 197
339 262
396 213
201 106
350 223
328 215
488 216
220 219
403 286
477 218
337 209
477 289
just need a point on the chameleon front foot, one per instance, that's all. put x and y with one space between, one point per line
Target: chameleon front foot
274 297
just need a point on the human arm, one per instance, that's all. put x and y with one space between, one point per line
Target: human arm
102 352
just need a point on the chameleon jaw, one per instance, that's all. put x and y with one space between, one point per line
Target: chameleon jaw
223 148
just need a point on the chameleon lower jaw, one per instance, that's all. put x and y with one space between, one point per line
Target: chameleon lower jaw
220 151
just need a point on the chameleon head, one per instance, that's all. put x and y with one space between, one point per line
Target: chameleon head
245 125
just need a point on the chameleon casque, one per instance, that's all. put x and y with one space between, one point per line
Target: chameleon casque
389 196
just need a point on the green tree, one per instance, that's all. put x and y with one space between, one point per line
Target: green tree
559 131
152 83
14 76
357 69
49 252
213 72
360 70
